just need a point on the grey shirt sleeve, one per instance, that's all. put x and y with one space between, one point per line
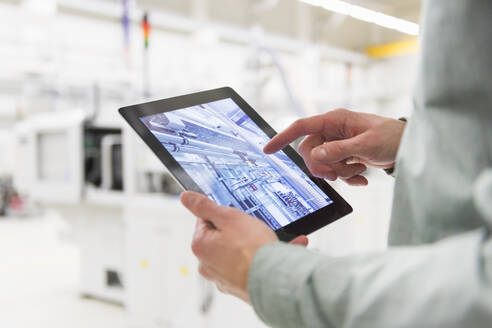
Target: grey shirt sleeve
445 284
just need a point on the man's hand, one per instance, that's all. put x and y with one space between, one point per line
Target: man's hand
225 242
342 143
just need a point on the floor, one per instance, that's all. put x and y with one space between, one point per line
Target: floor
39 271
39 279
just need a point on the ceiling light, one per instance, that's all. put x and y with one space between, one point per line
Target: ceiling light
45 8
366 15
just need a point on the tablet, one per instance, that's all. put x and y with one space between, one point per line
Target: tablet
212 142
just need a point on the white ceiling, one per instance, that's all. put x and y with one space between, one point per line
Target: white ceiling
292 18
284 17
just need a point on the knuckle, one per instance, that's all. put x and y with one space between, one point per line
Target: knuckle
343 171
341 110
221 288
203 272
196 247
321 172
361 168
350 171
304 151
315 171
302 147
343 175
299 123
356 143
331 175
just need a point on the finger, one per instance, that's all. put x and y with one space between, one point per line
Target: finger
199 241
309 143
347 171
300 240
317 169
206 271
209 273
321 170
224 288
338 150
332 122
301 127
358 180
201 206
221 288
354 160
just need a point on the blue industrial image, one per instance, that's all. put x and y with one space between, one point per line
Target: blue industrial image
220 148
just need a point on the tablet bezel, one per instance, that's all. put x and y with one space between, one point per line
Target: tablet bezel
302 226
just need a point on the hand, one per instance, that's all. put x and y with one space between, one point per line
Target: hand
342 143
225 242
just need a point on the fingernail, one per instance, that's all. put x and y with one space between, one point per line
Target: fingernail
319 153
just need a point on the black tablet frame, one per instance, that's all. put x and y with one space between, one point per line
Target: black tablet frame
302 226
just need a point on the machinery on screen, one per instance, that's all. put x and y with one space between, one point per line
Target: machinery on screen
220 148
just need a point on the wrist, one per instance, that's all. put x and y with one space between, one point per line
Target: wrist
391 170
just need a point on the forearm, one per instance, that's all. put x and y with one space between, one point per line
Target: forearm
407 287
279 277
446 284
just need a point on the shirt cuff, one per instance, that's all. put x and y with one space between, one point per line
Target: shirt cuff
275 278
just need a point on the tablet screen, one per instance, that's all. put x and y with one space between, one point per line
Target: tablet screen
221 149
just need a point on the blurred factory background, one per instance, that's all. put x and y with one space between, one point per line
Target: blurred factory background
91 230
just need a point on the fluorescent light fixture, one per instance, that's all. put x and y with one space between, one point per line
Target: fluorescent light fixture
366 15
45 8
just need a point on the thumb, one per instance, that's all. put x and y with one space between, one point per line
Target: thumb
337 150
201 206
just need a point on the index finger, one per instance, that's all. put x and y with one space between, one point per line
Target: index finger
299 128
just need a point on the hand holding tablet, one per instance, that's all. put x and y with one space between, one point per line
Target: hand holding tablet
212 142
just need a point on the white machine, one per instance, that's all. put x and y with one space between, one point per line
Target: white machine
50 157
50 150
134 243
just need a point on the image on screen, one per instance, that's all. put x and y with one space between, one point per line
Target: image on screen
220 148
